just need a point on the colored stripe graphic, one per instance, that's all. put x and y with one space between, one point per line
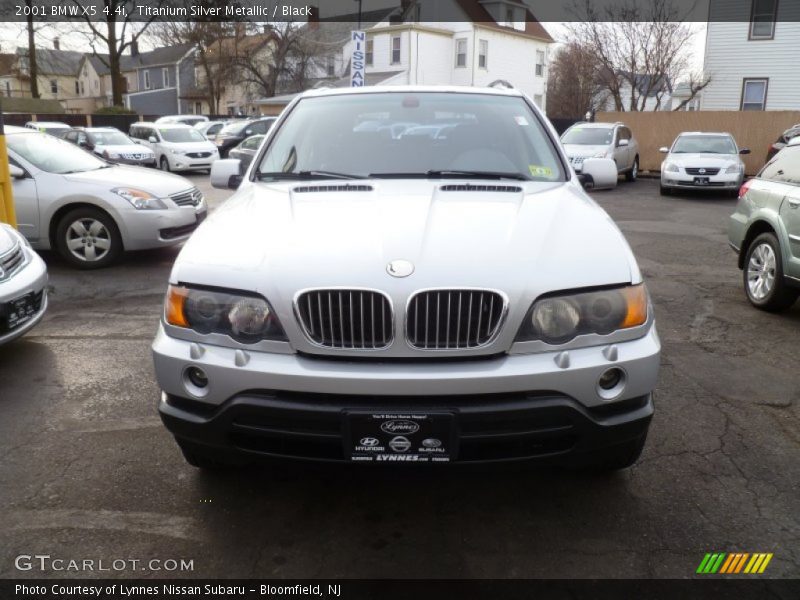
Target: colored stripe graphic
734 563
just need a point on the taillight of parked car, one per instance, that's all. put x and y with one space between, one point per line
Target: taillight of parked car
744 188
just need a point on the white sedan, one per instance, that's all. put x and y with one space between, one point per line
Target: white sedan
23 285
703 160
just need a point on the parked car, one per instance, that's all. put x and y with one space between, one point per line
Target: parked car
177 147
246 150
190 120
603 140
52 127
703 160
366 299
88 210
209 129
792 133
765 232
236 132
23 285
112 145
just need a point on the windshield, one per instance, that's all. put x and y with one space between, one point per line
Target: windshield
707 144
52 154
181 134
110 138
410 134
589 136
235 128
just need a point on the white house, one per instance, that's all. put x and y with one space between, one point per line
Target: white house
752 55
480 42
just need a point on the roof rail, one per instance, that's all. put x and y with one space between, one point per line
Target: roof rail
501 82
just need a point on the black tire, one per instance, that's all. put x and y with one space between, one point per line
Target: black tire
664 191
106 241
780 296
163 164
634 172
618 457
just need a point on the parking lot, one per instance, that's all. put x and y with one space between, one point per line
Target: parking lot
88 471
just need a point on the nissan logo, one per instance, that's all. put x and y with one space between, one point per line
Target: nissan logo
400 426
369 441
399 444
701 171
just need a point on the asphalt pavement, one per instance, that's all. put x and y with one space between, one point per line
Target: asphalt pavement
89 473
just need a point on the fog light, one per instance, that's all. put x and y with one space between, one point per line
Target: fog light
610 379
611 383
197 377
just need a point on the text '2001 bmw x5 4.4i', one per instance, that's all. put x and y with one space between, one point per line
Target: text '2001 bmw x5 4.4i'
408 275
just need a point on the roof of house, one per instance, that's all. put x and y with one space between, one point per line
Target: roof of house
52 62
100 61
160 56
330 32
477 13
32 105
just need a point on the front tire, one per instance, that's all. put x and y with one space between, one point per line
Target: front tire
764 283
634 172
88 238
164 164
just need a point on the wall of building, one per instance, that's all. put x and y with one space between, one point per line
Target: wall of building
154 102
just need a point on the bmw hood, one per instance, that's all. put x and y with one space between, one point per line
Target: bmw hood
158 183
529 238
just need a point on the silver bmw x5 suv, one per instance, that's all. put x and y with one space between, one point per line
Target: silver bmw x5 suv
444 294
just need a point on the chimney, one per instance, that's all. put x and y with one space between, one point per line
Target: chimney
56 44
134 48
313 18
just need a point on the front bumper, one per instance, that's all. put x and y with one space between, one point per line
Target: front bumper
720 181
511 407
144 229
181 162
136 162
32 279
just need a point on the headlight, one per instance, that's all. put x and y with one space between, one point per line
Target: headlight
558 319
672 168
174 151
108 154
245 318
734 168
23 240
140 200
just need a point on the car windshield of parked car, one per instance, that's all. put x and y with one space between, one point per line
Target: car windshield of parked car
110 138
589 136
412 134
52 154
704 144
181 134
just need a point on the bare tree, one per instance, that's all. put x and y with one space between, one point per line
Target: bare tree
117 32
641 49
573 84
33 69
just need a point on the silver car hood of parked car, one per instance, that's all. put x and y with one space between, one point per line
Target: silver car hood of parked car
156 182
279 238
7 241
123 149
703 159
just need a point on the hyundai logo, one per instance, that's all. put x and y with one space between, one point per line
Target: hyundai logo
399 444
400 268
399 426
369 441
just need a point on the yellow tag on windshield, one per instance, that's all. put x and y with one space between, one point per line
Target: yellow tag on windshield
539 171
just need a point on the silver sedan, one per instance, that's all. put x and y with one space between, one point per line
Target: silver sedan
23 285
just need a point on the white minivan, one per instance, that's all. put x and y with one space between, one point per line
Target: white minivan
177 147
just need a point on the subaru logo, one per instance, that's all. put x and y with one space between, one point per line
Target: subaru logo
399 444
431 443
369 441
701 171
400 268
399 426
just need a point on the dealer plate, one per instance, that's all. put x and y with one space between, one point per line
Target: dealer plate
379 437
19 311
701 180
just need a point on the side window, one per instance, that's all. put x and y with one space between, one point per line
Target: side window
259 127
81 138
626 133
70 137
135 133
785 167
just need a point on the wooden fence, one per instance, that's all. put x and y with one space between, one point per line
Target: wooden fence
751 129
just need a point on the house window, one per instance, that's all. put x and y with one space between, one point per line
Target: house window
369 54
330 67
483 54
537 99
540 63
147 80
461 52
165 76
96 85
396 50
54 86
762 20
83 89
509 15
754 94
77 88
198 108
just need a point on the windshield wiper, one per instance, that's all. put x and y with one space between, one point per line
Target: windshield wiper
300 175
455 174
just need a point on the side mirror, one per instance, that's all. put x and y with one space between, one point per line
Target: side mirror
152 139
226 174
744 151
248 132
623 143
664 150
599 173
16 172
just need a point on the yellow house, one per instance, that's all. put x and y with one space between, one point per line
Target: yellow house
57 75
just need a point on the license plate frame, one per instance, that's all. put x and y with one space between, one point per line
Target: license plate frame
18 311
701 180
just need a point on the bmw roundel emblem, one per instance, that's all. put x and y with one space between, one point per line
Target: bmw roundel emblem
400 268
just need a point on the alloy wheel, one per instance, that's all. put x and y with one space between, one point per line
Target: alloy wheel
88 239
761 271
